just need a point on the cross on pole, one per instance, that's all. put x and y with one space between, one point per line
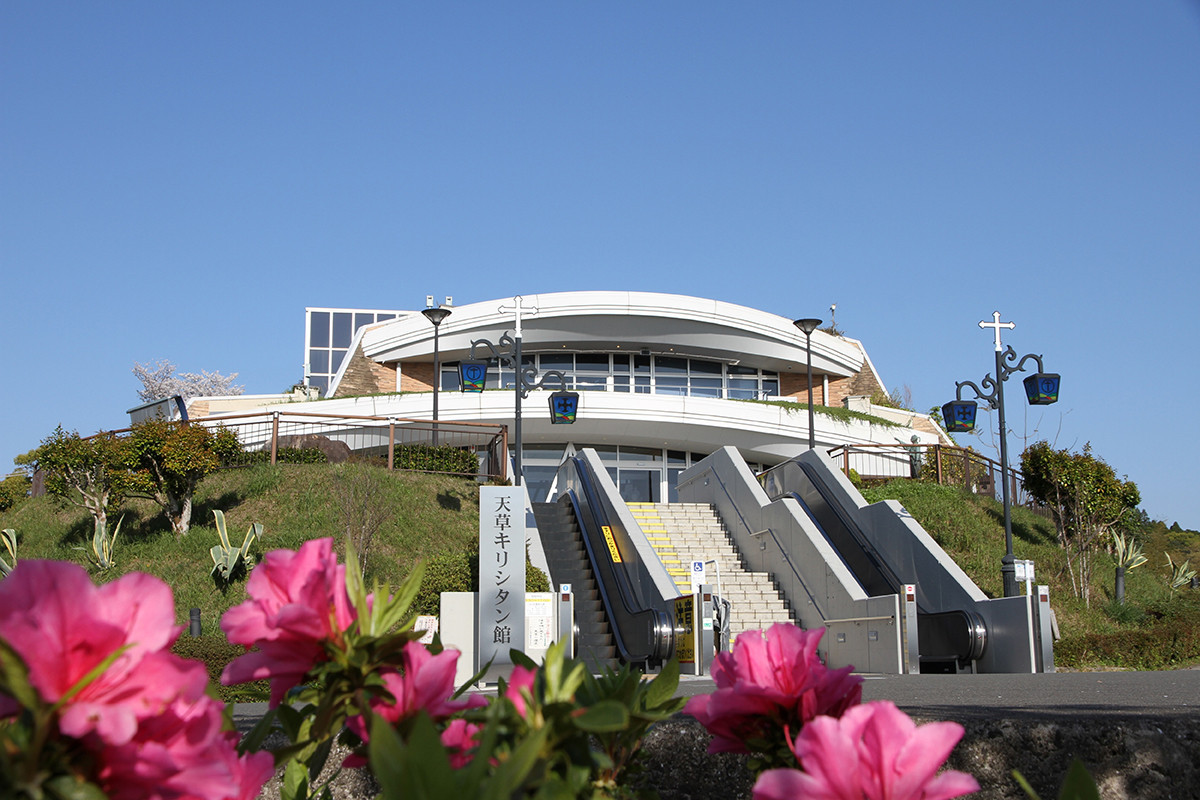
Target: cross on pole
995 323
518 308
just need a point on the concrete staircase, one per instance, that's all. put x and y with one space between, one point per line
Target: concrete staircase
684 532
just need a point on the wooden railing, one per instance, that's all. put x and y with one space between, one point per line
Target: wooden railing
362 436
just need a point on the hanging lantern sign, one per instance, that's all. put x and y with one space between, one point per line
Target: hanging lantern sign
959 416
1042 388
563 407
472 375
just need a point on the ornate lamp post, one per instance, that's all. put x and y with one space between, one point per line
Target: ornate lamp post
436 315
473 378
1041 389
808 325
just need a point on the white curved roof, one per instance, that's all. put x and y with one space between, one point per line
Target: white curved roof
664 324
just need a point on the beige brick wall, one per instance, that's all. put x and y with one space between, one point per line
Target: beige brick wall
416 376
794 386
364 376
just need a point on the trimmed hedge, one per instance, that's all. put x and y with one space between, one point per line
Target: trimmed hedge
443 458
286 455
1150 648
215 651
459 572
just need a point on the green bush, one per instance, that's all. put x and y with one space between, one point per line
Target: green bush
443 458
13 490
459 572
286 455
1158 646
215 652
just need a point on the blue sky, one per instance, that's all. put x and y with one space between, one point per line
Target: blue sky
179 180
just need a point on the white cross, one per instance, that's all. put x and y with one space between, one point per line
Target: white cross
517 307
997 324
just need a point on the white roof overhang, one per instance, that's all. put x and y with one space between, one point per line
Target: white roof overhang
664 324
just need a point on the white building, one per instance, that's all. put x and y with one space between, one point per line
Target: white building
664 380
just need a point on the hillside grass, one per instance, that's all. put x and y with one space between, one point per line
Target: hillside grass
1156 628
432 516
429 515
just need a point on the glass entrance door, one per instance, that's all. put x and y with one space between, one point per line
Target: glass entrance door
640 485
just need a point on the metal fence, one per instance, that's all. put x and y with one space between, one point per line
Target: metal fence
946 465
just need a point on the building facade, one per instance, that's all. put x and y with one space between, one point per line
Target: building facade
663 380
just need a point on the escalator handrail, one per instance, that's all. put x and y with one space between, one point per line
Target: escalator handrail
642 633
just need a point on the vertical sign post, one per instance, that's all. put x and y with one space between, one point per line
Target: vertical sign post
501 576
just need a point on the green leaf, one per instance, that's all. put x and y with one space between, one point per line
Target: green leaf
604 717
1079 784
1024 784
661 690
68 787
295 781
253 740
14 677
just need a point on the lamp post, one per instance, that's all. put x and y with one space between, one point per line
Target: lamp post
436 315
808 325
1041 389
473 378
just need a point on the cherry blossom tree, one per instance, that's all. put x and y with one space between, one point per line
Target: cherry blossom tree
159 382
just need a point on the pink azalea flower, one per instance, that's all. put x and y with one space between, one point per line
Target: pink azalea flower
298 602
424 682
460 739
874 752
63 627
771 680
183 754
521 678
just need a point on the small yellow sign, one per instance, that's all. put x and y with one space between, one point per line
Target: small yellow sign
612 544
685 627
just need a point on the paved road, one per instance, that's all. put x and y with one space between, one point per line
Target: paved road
1057 696
1060 696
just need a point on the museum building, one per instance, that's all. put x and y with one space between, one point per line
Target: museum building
663 380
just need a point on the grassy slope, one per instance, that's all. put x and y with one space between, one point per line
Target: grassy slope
432 514
970 529
437 514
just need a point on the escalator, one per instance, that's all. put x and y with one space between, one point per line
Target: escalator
567 559
623 613
946 639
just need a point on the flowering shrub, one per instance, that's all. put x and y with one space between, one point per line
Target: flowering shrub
771 684
873 750
95 702
94 705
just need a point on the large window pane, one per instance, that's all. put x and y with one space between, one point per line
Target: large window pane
702 367
670 365
591 362
318 329
640 455
341 329
674 386
563 362
620 383
594 383
362 319
318 362
706 387
336 357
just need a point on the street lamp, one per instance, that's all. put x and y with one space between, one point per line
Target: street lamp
473 378
436 315
809 325
1041 389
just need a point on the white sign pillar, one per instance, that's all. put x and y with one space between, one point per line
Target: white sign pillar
501 595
